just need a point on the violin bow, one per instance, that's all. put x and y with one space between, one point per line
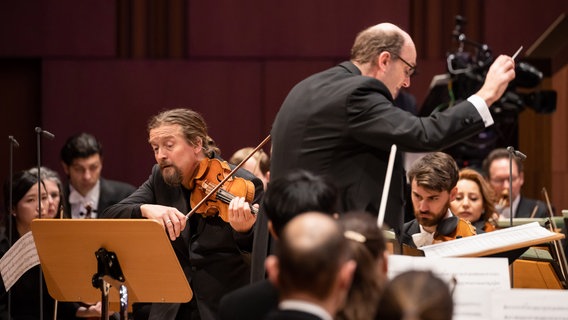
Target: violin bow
220 184
557 245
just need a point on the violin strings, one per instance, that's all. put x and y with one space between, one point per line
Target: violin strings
224 195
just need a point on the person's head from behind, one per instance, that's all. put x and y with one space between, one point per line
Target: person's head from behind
54 189
387 53
496 170
258 164
416 295
82 161
180 141
25 200
312 260
368 248
474 199
296 192
433 180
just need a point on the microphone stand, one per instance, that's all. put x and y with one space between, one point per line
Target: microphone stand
521 156
13 143
40 132
510 188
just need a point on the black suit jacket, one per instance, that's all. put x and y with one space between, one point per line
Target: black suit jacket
341 124
111 192
252 302
526 207
214 257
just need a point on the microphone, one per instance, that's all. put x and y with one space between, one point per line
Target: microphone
45 133
14 141
516 153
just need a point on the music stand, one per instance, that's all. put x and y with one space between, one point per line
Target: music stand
136 252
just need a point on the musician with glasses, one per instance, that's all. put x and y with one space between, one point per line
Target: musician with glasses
341 122
496 170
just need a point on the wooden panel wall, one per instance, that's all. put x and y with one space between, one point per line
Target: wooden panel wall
559 142
106 66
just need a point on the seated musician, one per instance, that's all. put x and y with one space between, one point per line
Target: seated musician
474 201
496 170
433 180
213 249
29 297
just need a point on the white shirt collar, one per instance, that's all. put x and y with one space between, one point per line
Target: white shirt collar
306 307
424 238
78 202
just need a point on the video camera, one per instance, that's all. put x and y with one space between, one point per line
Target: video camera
468 71
467 68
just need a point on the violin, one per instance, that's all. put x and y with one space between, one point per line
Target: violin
210 174
214 179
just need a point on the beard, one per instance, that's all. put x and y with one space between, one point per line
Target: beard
432 218
172 175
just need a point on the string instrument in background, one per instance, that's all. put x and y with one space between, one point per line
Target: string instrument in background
557 248
215 186
542 266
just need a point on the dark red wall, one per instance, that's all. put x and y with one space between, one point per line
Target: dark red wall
63 64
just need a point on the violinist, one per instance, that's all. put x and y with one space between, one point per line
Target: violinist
474 201
213 248
433 180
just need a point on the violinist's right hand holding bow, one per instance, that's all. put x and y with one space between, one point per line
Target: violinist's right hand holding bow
171 218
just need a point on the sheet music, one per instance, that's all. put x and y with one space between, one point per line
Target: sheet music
524 304
513 304
487 273
487 241
472 304
21 257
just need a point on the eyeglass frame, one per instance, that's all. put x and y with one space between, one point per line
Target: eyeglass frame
412 71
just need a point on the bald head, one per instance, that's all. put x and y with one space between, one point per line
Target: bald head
381 37
311 252
310 230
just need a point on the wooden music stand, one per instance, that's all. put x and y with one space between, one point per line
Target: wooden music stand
147 264
535 269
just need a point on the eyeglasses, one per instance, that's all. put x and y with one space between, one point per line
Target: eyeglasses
412 69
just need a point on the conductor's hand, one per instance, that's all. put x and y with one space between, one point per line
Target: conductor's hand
501 72
172 220
240 217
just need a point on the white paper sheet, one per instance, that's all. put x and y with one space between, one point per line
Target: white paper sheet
21 257
489 273
487 241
